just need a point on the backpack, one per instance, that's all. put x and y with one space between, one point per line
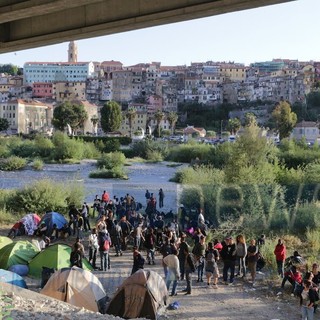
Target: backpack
106 245
210 257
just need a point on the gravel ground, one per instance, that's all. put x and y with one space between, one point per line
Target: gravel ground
240 301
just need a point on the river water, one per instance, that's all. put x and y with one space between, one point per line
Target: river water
142 176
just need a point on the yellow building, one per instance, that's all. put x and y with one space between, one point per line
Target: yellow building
69 91
25 116
139 122
233 72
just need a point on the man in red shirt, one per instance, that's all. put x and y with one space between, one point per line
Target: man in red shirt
280 253
105 197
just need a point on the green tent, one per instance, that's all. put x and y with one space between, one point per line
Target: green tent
4 241
19 252
56 256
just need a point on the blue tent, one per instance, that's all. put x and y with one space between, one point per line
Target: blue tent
12 278
51 218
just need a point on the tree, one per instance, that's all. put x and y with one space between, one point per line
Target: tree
284 118
4 124
159 115
66 114
250 119
233 125
111 116
313 99
9 69
131 115
172 118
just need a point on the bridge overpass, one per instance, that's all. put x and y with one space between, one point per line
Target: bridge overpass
28 24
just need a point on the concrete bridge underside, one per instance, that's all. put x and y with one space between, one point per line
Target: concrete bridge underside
28 24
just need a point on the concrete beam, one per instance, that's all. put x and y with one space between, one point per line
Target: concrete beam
33 23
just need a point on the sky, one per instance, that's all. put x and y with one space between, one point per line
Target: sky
287 31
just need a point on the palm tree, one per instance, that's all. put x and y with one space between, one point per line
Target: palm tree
94 119
172 118
130 115
159 115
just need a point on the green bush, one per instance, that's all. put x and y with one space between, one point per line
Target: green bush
154 156
199 175
66 148
44 146
90 151
305 217
37 164
114 173
187 152
24 149
46 195
111 160
143 147
111 146
12 163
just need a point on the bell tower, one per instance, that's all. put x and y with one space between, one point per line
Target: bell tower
72 52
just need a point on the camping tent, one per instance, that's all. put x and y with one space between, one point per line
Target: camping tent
20 252
30 222
56 256
78 287
12 278
51 218
139 296
4 241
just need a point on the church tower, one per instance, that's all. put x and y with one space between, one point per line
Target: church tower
72 52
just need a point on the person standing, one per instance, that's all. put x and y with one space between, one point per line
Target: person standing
183 248
104 242
212 271
189 268
307 300
280 253
161 197
228 255
147 196
150 241
252 260
93 247
172 263
199 252
241 255
105 197
116 235
85 216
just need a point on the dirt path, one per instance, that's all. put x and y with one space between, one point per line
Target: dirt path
241 301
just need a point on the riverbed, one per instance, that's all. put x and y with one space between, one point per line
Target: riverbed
142 176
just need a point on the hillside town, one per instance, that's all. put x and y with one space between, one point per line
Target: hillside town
28 100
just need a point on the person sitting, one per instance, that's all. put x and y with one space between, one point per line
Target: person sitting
65 231
76 256
138 260
16 230
55 233
294 276
42 230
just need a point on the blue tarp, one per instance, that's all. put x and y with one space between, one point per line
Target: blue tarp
12 278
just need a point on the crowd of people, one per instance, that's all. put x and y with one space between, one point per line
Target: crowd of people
119 224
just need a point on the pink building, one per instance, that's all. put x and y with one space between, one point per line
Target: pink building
155 103
42 90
